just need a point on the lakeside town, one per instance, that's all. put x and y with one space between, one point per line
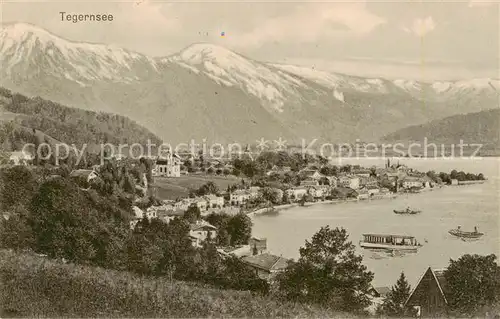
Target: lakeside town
220 217
249 159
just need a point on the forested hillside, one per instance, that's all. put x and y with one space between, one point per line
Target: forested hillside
68 125
480 127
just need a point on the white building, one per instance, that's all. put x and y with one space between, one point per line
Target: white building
319 191
21 158
349 181
200 231
297 192
167 166
311 173
410 182
239 197
138 215
214 201
184 204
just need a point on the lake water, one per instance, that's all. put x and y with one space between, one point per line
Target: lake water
442 209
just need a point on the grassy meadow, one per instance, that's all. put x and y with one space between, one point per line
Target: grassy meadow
33 286
174 187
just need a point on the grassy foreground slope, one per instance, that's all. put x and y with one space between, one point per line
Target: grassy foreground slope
33 286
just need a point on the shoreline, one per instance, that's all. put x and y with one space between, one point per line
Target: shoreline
261 211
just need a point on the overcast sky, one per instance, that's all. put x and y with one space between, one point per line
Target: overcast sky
418 39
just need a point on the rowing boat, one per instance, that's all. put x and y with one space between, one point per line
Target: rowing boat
466 234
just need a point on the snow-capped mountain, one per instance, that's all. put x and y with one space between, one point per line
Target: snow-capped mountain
207 91
384 86
29 48
273 87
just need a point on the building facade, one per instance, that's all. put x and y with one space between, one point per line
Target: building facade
167 166
428 297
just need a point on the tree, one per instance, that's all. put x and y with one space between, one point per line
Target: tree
192 214
220 221
328 272
239 229
18 185
15 232
473 283
271 195
77 225
206 189
394 302
324 181
285 199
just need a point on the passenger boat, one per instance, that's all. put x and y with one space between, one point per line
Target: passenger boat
466 234
407 211
390 242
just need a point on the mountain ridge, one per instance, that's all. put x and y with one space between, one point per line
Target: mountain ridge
479 127
208 91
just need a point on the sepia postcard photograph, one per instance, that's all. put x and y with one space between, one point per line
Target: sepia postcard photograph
250 159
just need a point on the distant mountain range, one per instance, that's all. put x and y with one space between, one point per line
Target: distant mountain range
480 127
207 91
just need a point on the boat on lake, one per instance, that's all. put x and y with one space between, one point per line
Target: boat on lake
390 242
466 234
407 211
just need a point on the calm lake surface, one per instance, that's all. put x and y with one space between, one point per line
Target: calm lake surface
442 209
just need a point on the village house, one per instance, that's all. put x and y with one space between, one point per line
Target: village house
138 215
266 266
296 192
411 182
361 172
214 201
200 232
333 181
84 174
165 213
184 203
349 181
429 295
377 296
256 246
319 191
379 292
167 166
21 158
454 182
368 181
309 182
239 197
242 196
310 174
